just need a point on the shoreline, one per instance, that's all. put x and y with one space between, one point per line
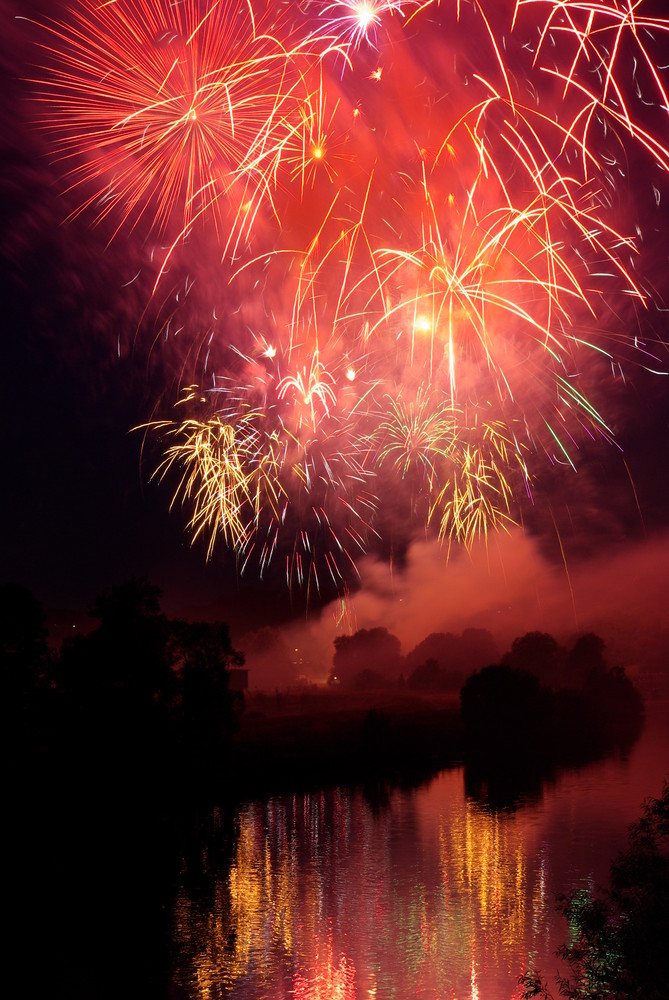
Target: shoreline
296 741
289 741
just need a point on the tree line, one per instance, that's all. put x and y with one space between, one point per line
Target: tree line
115 741
538 706
142 702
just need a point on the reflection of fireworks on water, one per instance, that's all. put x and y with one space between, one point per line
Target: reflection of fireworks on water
436 249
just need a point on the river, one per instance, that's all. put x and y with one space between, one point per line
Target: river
429 893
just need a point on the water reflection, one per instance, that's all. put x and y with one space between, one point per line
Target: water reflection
434 894
326 898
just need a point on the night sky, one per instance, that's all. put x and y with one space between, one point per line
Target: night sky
90 352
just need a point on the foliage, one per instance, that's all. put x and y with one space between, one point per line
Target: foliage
132 601
22 622
25 662
368 649
582 666
618 937
616 707
140 703
204 709
519 728
23 634
429 676
538 653
503 709
124 660
585 655
369 680
455 655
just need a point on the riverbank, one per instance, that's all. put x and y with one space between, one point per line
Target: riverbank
322 736
294 740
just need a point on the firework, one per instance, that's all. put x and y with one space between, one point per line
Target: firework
351 23
225 473
476 500
163 112
274 470
417 436
434 273
319 142
598 36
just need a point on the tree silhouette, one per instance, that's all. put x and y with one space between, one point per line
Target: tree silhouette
205 709
132 601
540 654
618 937
585 655
125 655
24 653
373 649
457 656
145 700
25 663
504 710
617 709
429 676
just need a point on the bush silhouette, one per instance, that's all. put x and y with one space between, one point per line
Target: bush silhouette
618 937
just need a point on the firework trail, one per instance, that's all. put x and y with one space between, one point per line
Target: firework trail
425 256
165 112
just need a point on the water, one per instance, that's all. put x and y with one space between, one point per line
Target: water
431 894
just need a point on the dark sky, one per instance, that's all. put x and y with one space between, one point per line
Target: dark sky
83 365
79 510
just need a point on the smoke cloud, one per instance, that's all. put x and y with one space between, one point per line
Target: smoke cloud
509 587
